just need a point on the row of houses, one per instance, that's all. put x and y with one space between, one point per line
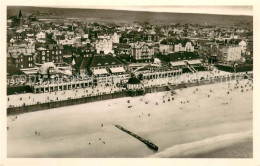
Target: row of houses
71 42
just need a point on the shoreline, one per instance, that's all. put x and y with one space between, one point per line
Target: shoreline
121 94
235 145
237 150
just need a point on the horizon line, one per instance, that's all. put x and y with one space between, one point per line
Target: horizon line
154 9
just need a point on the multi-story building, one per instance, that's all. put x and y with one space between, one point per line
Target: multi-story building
165 49
171 45
122 49
103 65
50 53
104 45
9 60
243 46
183 45
229 53
21 47
166 46
41 37
115 38
86 51
20 60
241 43
19 35
209 51
67 41
142 52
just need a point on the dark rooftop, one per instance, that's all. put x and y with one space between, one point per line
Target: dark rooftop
12 70
133 80
173 41
178 56
82 63
104 61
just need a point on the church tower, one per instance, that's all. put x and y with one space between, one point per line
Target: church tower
20 17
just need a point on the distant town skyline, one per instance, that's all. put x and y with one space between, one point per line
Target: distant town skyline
220 10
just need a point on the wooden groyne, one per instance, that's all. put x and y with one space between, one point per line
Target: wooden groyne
146 142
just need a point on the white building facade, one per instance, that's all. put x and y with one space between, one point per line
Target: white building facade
187 47
104 46
230 53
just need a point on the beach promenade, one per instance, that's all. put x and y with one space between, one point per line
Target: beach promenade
107 89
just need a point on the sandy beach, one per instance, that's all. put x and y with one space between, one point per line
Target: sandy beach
220 113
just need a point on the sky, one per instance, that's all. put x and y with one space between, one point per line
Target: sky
226 10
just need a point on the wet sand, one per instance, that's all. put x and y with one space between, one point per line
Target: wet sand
232 145
238 150
75 131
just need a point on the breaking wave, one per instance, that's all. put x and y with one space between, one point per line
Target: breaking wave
202 146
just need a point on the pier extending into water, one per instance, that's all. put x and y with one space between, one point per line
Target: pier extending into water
146 142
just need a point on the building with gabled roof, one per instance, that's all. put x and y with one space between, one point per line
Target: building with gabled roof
20 60
104 45
122 49
181 59
142 52
103 65
239 42
50 53
82 65
170 45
